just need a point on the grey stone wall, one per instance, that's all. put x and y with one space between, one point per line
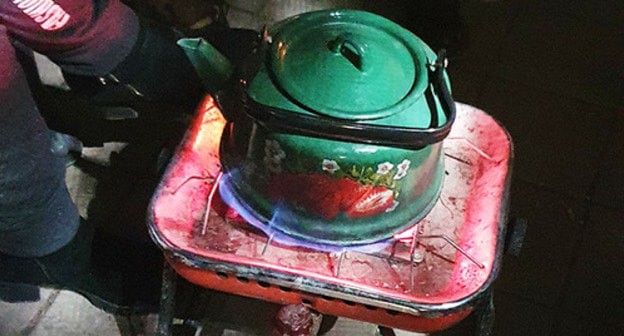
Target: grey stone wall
255 13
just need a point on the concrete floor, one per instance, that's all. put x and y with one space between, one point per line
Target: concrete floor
552 72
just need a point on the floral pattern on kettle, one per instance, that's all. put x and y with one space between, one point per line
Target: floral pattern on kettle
384 168
367 175
330 187
330 166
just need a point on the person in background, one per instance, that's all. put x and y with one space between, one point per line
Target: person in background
103 49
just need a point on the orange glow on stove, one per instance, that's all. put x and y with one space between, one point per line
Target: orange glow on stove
209 126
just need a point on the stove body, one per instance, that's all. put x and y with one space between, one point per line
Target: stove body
425 279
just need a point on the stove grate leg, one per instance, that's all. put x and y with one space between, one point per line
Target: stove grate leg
485 315
167 301
385 331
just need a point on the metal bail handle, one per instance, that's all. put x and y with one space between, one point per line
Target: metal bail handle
438 82
293 122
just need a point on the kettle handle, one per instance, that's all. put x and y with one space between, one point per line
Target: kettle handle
346 130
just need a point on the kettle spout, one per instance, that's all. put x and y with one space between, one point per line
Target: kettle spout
213 68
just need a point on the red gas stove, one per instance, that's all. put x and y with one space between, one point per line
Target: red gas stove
426 279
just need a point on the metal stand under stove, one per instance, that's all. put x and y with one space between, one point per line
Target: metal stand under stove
429 278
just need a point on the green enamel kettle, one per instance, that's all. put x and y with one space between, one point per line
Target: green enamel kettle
336 123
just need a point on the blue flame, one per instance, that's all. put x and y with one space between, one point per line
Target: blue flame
270 227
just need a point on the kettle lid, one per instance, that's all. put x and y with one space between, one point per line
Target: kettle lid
347 64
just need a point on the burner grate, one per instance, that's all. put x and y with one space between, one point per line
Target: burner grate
432 272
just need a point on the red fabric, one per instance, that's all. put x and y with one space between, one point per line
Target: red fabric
87 37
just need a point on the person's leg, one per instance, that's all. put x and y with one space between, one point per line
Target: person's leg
37 216
101 45
42 239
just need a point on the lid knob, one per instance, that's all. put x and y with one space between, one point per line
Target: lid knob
350 48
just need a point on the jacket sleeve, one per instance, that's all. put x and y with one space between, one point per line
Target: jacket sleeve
86 37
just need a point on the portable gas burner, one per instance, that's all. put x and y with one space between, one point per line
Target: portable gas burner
425 279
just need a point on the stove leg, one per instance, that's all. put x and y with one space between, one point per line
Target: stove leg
167 301
327 323
485 315
385 331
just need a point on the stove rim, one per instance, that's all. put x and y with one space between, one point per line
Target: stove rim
432 310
